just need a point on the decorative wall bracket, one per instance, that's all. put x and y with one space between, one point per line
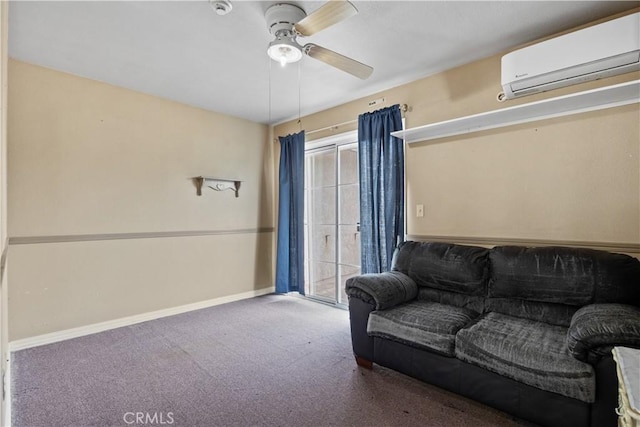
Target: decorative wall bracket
218 184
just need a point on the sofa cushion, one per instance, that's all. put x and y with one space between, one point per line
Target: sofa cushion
527 351
421 324
555 314
445 266
471 302
562 275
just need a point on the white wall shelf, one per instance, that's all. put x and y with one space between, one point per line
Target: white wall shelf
218 184
581 102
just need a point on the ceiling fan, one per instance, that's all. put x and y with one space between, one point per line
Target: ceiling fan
287 22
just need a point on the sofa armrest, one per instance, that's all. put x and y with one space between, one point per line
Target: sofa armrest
383 290
595 329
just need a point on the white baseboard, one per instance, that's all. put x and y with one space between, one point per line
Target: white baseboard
130 320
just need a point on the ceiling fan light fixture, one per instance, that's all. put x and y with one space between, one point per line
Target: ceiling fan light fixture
286 22
284 51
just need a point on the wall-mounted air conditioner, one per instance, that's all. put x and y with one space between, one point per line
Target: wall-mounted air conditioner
603 50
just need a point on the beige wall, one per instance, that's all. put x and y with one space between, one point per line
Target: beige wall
570 179
4 31
91 160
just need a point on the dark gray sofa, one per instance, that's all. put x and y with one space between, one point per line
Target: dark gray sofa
526 330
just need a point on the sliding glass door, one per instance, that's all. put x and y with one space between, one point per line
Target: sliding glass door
332 235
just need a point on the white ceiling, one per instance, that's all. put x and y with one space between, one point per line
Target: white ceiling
182 50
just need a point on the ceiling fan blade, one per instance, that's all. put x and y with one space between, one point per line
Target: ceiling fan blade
351 66
329 14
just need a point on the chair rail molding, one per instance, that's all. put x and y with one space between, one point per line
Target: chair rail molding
499 241
34 240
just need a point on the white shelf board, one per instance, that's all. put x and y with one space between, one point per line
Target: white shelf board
581 102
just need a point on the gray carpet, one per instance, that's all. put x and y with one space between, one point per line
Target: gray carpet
272 360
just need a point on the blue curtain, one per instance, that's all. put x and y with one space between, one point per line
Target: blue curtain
381 159
290 254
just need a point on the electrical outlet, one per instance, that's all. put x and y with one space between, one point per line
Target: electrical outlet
419 211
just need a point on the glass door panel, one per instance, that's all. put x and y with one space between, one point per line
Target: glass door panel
320 220
332 217
348 217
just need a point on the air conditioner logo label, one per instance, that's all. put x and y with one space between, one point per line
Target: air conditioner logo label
521 75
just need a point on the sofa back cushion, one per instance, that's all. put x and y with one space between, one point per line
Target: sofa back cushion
444 266
562 275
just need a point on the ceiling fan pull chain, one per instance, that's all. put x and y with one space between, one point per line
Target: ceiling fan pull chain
299 97
269 92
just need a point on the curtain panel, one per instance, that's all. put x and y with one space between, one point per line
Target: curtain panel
381 188
290 252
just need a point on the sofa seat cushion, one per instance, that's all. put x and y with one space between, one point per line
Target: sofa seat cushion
527 351
422 324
